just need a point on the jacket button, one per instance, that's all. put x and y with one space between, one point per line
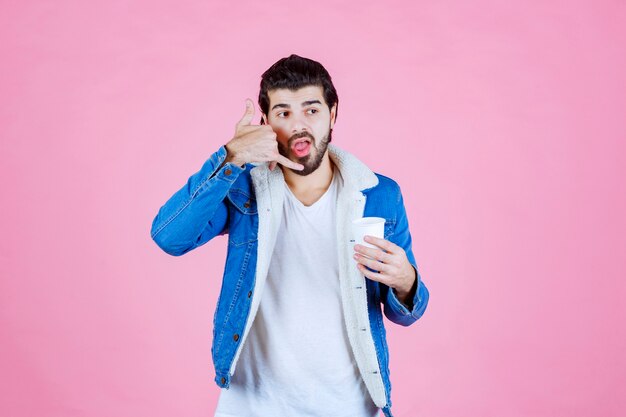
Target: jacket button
223 380
246 204
228 171
249 294
236 337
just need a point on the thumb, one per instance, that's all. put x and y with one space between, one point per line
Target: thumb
248 115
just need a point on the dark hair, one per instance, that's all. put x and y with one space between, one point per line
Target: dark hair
293 73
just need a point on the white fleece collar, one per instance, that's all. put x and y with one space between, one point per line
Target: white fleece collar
354 172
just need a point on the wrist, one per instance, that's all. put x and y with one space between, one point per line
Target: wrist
401 295
406 294
232 158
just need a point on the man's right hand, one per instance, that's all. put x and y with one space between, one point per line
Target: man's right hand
256 143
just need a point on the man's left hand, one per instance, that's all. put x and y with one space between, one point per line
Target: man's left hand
389 259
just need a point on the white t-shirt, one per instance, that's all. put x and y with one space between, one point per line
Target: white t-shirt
297 359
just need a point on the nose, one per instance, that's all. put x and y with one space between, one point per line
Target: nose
299 125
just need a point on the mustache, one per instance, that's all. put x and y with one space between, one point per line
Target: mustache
300 135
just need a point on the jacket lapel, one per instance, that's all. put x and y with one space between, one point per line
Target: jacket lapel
350 206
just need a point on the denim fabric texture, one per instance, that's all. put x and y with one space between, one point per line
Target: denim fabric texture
224 198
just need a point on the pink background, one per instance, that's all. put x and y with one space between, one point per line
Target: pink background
503 122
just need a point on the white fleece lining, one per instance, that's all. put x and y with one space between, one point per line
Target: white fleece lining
268 186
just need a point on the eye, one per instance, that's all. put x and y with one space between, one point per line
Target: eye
313 110
282 112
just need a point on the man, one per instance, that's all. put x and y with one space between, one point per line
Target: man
300 305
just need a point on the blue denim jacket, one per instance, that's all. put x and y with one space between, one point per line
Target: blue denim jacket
245 203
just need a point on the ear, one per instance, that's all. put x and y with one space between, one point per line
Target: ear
264 118
333 111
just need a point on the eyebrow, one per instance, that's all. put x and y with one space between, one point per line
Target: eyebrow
304 103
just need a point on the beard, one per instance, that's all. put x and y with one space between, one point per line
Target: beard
313 159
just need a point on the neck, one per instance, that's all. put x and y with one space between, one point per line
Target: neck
319 179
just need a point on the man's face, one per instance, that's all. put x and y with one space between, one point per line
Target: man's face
303 124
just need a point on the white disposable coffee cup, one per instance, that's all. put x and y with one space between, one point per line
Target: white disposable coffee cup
372 226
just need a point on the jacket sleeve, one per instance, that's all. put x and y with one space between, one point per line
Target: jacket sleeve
395 310
197 212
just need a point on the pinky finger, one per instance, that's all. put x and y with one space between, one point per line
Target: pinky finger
289 163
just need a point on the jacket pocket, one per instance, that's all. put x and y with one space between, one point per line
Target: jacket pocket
244 219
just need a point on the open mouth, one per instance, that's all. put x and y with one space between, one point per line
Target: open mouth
301 148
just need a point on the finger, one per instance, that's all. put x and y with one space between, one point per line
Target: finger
374 276
382 243
289 163
372 263
272 165
248 115
374 253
